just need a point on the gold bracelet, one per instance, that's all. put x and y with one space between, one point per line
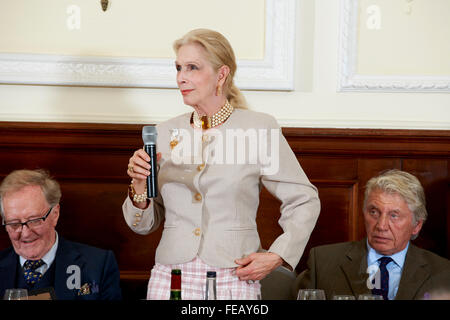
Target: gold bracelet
138 198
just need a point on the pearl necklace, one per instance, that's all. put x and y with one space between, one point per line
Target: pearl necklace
218 118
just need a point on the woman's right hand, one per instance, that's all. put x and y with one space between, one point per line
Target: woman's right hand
139 169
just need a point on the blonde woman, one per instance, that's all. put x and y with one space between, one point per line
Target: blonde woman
209 181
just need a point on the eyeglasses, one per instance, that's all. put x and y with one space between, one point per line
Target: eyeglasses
31 224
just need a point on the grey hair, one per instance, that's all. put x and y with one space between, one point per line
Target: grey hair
19 179
404 184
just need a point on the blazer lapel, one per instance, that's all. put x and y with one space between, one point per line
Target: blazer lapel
66 256
8 268
415 272
355 268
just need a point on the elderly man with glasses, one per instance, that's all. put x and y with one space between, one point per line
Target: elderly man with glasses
39 260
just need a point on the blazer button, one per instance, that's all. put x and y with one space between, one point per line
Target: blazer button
134 224
197 232
200 167
198 197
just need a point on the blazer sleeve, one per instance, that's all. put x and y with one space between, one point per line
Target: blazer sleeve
300 205
143 221
110 286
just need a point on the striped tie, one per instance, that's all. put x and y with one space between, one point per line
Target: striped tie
30 273
384 278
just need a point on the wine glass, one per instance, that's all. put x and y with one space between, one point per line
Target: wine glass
368 296
16 294
343 297
311 294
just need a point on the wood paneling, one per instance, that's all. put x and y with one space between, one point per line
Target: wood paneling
90 161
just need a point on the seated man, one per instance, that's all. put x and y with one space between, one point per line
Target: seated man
385 263
39 258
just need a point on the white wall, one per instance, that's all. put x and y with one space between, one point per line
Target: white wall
315 101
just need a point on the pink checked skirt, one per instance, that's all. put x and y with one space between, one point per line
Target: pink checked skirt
193 282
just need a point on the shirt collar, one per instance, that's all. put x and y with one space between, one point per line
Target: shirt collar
49 257
398 257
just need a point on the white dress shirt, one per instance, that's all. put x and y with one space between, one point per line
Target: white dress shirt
48 258
394 268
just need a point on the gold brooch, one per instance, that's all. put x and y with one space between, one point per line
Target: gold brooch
173 138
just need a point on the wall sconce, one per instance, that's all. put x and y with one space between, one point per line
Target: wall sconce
104 4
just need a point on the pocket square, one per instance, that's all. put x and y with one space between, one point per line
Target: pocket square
85 289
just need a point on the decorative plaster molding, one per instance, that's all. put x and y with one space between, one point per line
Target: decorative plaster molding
349 80
274 72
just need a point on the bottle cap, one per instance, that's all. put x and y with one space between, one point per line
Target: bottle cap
210 274
176 271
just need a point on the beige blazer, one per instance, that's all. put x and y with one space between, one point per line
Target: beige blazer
208 202
341 269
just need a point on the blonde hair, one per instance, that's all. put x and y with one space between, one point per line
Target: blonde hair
19 179
404 184
219 53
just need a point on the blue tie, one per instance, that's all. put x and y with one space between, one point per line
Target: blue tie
384 278
30 273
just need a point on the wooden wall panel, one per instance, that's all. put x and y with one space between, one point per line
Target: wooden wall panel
90 160
433 175
336 220
326 168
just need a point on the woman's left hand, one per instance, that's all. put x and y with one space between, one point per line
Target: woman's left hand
257 266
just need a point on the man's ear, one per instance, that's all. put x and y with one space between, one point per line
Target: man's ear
417 227
55 215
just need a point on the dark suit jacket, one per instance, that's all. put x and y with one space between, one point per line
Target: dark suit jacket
99 270
341 269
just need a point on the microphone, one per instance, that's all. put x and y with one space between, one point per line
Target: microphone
149 135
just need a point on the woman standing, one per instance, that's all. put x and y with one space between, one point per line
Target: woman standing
209 184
